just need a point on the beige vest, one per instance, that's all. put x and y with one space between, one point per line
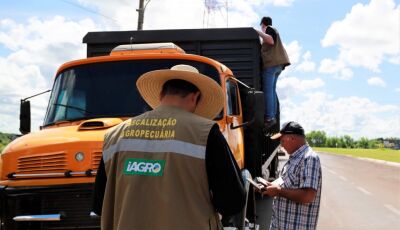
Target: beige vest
156 173
274 55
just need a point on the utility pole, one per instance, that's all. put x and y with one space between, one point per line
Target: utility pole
141 15
227 14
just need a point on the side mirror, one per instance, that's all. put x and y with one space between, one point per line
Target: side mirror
253 109
25 117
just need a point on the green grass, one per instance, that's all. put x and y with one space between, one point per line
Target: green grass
4 140
380 154
2 147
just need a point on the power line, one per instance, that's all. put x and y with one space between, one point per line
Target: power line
89 10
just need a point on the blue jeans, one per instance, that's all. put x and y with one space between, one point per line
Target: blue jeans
270 77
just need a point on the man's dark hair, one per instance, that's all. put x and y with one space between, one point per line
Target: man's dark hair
178 87
266 21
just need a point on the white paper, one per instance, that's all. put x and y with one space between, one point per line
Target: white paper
278 181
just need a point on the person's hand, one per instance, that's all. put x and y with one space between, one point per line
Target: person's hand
263 28
260 188
272 190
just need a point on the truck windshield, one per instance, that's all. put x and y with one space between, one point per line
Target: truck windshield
107 89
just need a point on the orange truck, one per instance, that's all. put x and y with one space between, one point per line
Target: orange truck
47 176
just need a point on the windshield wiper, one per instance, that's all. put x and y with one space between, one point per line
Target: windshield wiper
74 107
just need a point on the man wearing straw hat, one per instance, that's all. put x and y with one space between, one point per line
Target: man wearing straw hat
169 168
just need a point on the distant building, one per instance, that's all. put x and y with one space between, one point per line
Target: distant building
391 143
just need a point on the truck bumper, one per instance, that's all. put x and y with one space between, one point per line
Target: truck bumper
51 207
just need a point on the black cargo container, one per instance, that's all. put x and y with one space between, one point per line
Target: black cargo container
237 48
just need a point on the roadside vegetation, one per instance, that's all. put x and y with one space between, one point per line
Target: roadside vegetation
5 139
345 145
386 149
320 139
379 154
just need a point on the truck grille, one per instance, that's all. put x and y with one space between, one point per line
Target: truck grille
73 202
96 158
74 205
52 162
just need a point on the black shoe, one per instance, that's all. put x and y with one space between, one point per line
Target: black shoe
268 123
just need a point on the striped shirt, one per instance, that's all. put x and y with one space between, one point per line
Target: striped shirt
302 170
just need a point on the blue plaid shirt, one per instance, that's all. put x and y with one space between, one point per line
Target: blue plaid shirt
302 170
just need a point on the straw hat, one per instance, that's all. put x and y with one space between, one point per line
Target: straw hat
211 101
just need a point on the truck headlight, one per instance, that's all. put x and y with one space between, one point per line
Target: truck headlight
79 156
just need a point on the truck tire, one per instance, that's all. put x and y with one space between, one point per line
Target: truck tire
238 220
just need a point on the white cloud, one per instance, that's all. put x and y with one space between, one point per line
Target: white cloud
17 82
336 67
376 81
397 90
15 79
182 14
306 65
352 116
289 86
299 61
395 60
293 50
367 34
37 48
9 112
43 42
279 2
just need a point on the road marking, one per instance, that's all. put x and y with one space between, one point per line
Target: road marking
333 172
364 191
393 209
343 178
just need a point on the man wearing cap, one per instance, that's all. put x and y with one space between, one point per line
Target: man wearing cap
297 192
169 168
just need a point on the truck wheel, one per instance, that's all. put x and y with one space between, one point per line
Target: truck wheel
238 220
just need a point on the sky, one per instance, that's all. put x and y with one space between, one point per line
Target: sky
345 54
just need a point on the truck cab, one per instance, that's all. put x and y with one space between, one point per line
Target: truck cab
46 177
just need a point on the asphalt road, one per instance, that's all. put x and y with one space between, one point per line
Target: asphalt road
359 194
356 194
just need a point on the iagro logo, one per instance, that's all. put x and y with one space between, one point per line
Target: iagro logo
134 166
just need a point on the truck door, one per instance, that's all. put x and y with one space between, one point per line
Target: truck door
234 117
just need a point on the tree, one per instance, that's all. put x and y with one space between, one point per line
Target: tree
332 142
4 140
348 142
316 138
320 139
373 144
363 143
